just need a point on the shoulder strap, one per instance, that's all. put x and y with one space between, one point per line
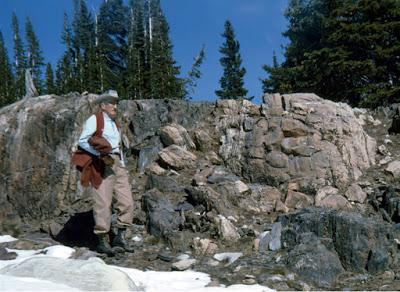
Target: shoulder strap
99 124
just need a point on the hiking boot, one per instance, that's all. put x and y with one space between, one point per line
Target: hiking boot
120 242
103 246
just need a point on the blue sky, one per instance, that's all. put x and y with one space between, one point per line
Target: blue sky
258 25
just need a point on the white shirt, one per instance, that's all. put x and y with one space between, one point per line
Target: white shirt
110 133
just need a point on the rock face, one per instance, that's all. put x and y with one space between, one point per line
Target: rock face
294 136
290 139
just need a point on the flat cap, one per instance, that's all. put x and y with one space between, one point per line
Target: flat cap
110 96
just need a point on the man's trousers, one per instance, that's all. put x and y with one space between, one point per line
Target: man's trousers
115 183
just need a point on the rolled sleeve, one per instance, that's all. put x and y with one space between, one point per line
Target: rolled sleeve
89 128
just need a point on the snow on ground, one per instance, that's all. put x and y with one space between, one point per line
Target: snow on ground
150 281
7 238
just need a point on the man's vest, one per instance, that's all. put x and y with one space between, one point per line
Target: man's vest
90 166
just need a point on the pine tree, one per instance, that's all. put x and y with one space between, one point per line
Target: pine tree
232 79
6 77
276 81
66 80
112 45
162 69
35 60
344 50
136 73
50 86
20 60
194 74
366 34
83 42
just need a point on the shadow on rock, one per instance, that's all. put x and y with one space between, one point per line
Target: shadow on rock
78 231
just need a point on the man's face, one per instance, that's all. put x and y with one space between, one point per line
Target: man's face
110 109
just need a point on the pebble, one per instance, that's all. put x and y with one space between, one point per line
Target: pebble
183 257
137 238
229 256
183 265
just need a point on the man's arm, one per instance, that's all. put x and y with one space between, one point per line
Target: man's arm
89 128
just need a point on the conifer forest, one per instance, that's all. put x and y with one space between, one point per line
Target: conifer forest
343 50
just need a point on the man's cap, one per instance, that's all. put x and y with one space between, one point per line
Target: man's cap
110 96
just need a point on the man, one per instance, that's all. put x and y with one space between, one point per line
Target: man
106 148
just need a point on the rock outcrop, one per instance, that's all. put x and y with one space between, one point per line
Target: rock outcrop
214 177
295 140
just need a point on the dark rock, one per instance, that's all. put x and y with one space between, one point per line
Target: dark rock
6 256
356 239
379 261
166 256
147 156
161 217
210 199
163 183
220 174
10 223
391 203
395 126
184 206
311 260
179 241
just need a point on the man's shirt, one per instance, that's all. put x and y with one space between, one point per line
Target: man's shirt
110 133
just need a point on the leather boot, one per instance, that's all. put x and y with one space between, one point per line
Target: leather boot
120 241
103 246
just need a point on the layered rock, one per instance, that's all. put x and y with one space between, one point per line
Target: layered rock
297 137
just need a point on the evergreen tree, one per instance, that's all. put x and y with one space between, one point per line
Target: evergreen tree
20 59
365 47
194 74
137 83
66 80
6 77
35 60
83 40
162 69
344 50
112 45
50 86
278 80
232 79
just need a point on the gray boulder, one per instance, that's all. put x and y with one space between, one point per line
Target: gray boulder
272 240
362 243
313 261
161 217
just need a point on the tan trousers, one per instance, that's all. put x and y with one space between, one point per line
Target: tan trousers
116 182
